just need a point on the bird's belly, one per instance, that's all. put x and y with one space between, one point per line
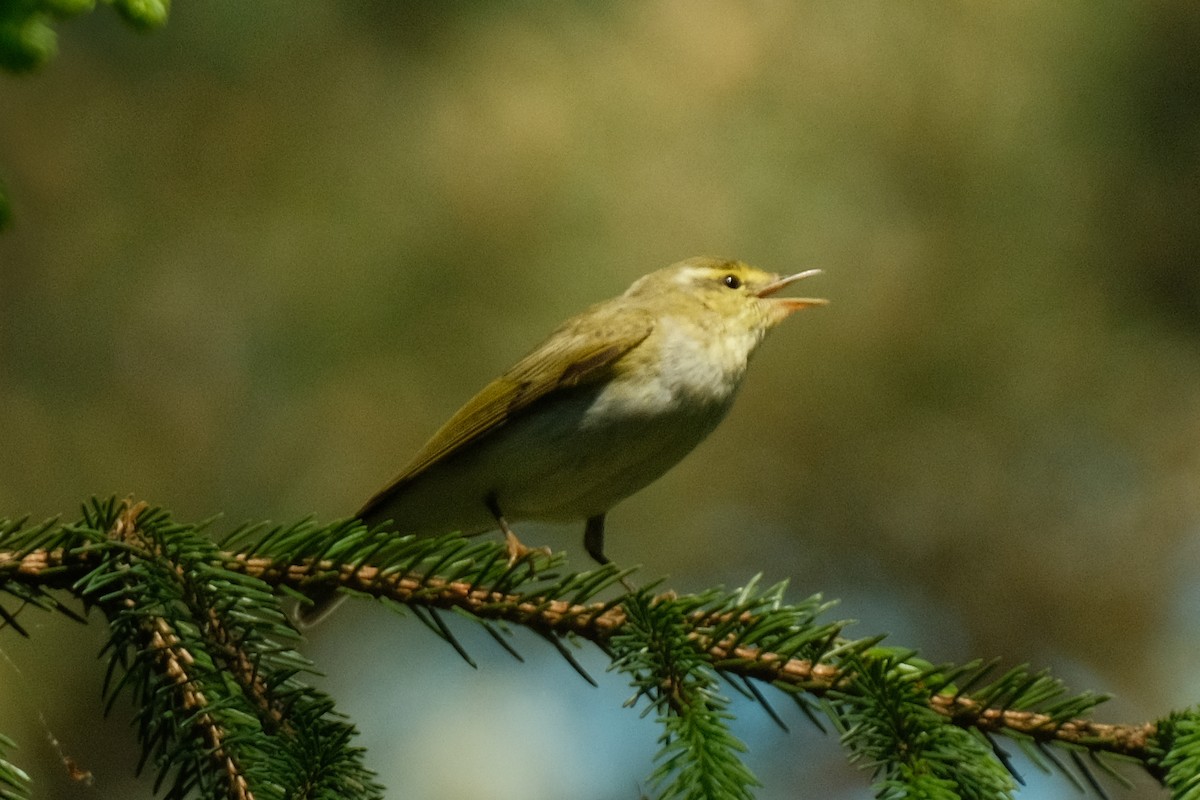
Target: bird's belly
581 459
569 459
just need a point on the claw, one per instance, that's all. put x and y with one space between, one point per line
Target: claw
518 551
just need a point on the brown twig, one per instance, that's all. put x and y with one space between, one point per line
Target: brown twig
175 662
598 622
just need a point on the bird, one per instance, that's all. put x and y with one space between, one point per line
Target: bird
605 405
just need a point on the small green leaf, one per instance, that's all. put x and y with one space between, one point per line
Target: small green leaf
26 43
144 14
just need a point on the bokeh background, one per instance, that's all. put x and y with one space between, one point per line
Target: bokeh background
259 255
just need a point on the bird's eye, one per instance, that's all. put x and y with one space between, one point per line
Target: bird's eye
732 281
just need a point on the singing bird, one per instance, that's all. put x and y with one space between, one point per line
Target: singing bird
610 401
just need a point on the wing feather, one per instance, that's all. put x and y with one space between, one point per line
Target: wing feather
574 355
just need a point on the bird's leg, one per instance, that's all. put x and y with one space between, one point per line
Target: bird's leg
516 550
593 539
593 542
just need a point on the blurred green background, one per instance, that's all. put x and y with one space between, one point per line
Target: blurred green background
259 255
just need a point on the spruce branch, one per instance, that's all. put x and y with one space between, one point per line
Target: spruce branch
599 622
200 641
174 663
206 654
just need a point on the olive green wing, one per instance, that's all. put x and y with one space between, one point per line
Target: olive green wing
574 355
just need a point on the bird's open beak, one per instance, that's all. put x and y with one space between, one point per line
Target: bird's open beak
790 304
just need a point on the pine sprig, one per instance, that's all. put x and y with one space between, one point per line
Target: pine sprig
14 782
885 719
207 655
1177 759
699 756
35 567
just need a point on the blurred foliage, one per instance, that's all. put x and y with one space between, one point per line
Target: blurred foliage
28 41
258 257
27 37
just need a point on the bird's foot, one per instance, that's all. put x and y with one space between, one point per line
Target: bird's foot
518 551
